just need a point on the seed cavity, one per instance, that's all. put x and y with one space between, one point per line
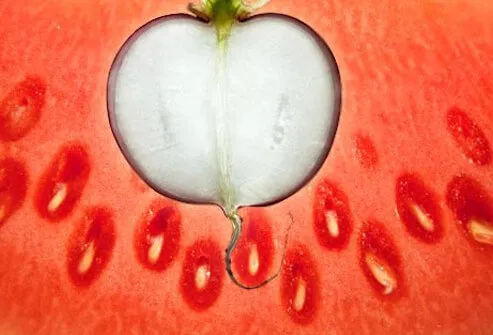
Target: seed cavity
20 110
473 210
332 220
364 151
380 261
469 137
62 183
253 256
157 237
481 231
90 246
418 208
382 272
300 285
202 275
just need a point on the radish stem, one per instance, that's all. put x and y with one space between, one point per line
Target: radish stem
235 236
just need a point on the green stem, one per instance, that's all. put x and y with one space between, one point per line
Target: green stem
235 236
224 13
222 134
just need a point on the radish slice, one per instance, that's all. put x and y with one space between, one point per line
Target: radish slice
245 120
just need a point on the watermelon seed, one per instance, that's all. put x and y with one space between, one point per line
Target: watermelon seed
332 224
300 297
87 258
60 194
481 231
202 276
382 272
155 249
423 218
253 260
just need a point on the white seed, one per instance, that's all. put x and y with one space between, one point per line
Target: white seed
481 231
202 276
87 258
253 260
155 249
423 218
332 223
58 198
382 272
300 297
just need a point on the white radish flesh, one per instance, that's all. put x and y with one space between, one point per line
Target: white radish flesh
243 122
